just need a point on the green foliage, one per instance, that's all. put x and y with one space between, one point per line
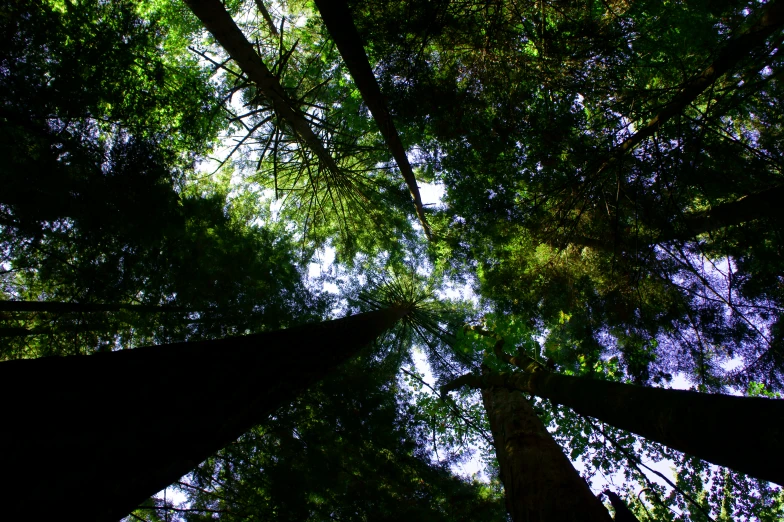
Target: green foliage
757 389
95 210
594 261
344 450
517 110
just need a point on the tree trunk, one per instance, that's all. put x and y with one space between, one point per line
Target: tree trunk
622 511
748 208
741 433
540 483
771 19
337 18
764 204
101 433
218 22
267 18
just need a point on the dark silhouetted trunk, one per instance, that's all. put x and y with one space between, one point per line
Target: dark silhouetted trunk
741 433
622 511
218 22
340 25
764 204
267 18
540 483
98 434
17 332
748 208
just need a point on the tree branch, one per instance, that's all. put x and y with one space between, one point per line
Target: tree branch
638 462
267 18
453 406
469 379
734 51
338 20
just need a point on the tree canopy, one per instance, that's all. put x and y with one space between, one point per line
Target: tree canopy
608 229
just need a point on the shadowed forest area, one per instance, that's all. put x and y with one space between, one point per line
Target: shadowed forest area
225 275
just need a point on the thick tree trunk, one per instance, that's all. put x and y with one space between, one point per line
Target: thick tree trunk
741 433
770 20
540 483
16 332
337 18
100 433
218 22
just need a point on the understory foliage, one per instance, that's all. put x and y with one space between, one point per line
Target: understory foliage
611 175
345 451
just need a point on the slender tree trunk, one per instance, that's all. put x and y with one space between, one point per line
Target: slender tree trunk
770 20
340 24
101 433
59 307
748 208
267 18
218 22
741 433
66 329
540 483
764 204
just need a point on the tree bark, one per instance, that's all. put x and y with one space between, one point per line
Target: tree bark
771 19
741 433
104 432
540 483
220 24
340 24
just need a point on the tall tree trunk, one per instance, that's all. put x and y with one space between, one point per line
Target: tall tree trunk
340 24
101 433
770 20
540 483
16 332
218 22
741 433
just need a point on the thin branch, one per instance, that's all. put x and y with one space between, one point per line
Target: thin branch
185 510
221 65
451 405
637 461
